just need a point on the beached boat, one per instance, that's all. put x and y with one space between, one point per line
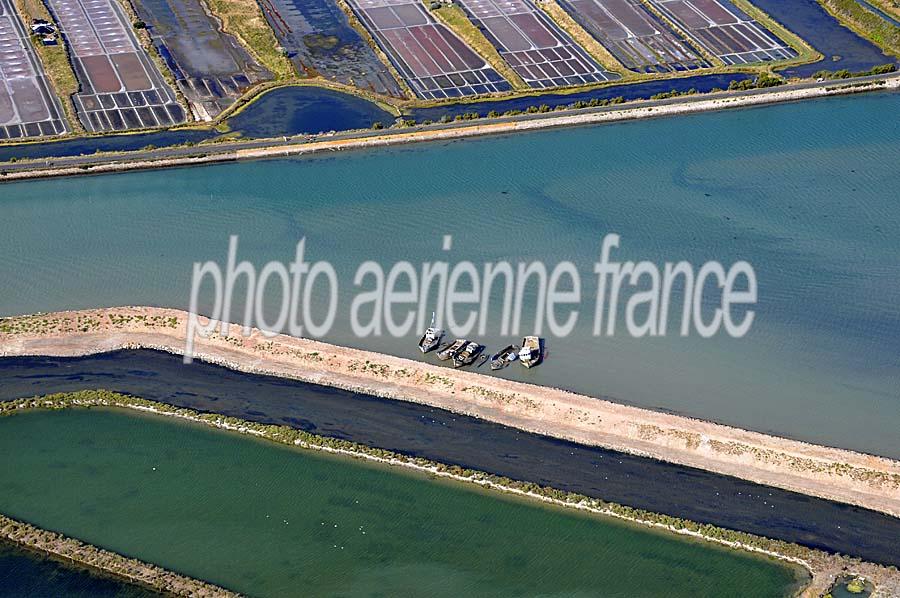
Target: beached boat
468 354
531 352
431 339
504 357
451 351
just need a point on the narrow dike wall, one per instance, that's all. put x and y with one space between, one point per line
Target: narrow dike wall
122 567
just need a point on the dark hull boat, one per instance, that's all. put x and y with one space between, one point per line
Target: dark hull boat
504 357
468 355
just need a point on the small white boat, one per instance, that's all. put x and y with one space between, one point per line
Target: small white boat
431 338
531 352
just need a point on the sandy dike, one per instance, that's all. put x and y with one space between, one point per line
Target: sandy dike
835 474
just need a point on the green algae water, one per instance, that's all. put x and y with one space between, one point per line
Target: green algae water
268 520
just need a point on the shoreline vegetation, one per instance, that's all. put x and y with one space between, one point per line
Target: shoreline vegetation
823 568
865 23
831 473
765 90
70 550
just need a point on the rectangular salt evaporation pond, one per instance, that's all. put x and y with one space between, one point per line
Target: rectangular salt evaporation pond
725 31
434 62
533 45
268 520
634 35
320 40
120 87
27 106
211 67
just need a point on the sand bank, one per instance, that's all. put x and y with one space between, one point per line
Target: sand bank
831 473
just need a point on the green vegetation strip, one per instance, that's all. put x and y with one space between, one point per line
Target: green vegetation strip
762 81
865 23
846 74
53 323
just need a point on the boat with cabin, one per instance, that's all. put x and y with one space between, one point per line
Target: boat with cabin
468 354
531 352
432 337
